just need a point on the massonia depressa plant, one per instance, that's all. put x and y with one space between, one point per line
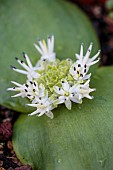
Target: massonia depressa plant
52 82
77 139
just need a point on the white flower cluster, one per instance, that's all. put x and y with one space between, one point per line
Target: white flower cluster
52 82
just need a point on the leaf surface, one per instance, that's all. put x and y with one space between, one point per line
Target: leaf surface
80 139
22 21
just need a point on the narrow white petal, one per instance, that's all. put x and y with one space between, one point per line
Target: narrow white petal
17 84
58 90
77 56
23 64
60 100
87 76
33 113
88 96
28 61
42 45
95 56
81 52
32 105
92 63
10 89
76 100
87 54
50 114
17 95
65 86
68 104
20 71
42 112
38 48
49 45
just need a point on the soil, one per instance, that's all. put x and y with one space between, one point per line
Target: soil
103 25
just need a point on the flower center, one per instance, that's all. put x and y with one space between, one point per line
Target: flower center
54 74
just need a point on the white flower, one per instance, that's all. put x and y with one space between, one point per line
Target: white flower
63 81
85 61
20 88
46 50
34 91
43 105
30 70
66 94
83 90
79 72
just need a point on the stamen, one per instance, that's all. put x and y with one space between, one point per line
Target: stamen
35 84
77 72
84 70
31 82
26 90
13 67
79 65
27 85
81 75
28 95
16 58
24 55
44 59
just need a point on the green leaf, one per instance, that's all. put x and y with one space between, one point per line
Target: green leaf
21 23
80 139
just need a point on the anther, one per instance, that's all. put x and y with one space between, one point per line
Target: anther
44 59
79 65
27 85
13 67
16 58
84 70
26 90
31 82
28 95
21 61
35 84
81 75
77 72
24 54
85 65
34 90
74 68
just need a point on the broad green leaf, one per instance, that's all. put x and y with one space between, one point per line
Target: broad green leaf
20 24
80 139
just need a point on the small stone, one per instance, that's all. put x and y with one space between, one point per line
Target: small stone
26 167
1 163
5 130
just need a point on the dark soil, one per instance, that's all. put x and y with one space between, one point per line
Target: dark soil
104 28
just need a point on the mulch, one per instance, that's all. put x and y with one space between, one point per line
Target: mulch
103 25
